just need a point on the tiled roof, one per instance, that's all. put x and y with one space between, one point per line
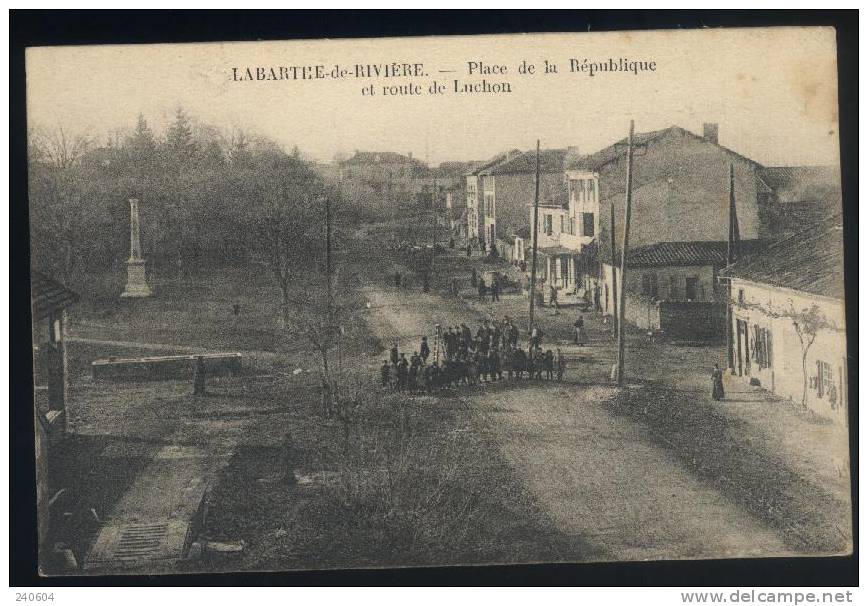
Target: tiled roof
811 261
47 295
491 162
550 161
693 253
597 160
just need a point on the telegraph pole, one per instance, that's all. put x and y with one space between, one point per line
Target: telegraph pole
625 244
730 259
533 254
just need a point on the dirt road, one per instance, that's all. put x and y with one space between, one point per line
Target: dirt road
597 475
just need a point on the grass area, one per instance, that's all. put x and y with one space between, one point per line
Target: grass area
406 481
737 459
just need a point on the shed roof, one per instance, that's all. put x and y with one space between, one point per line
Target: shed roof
810 261
550 161
694 253
47 295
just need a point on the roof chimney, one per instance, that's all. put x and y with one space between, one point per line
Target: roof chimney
709 132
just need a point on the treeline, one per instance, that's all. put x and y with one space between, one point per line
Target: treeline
206 197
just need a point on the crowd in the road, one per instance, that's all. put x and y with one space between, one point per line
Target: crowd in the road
461 357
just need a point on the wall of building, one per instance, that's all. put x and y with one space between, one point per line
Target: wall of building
680 193
766 307
513 194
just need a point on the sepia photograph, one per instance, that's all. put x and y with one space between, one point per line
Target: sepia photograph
467 300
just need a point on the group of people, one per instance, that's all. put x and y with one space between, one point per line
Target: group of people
478 282
463 357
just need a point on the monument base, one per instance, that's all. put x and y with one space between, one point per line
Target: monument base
137 286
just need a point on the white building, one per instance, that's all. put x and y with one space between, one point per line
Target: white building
788 320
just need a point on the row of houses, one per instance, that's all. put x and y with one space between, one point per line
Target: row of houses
788 227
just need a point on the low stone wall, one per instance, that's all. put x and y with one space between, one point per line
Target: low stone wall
693 320
678 320
642 313
160 368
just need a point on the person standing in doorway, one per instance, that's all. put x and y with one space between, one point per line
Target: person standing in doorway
553 297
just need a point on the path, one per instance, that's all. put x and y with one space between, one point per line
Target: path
595 474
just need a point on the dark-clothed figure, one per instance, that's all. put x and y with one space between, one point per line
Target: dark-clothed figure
393 354
561 363
579 330
473 278
553 297
384 373
402 372
424 350
398 279
412 376
717 383
597 306
549 364
469 250
481 290
465 332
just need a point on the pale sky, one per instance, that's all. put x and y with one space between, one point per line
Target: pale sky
772 91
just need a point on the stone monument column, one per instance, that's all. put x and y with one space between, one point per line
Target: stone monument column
136 286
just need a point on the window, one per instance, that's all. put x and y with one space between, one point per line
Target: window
741 296
649 285
572 225
674 295
563 229
588 224
762 347
690 285
547 225
488 204
591 190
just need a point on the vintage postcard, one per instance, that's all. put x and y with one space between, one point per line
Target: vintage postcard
438 301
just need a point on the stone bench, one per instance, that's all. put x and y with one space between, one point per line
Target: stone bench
161 368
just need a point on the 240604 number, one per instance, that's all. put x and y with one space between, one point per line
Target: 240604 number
34 597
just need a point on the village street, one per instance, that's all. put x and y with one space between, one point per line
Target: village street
640 486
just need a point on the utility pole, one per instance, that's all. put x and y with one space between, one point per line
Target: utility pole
625 244
730 259
533 254
615 306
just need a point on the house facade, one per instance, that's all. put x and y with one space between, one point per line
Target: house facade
475 201
788 319
508 188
